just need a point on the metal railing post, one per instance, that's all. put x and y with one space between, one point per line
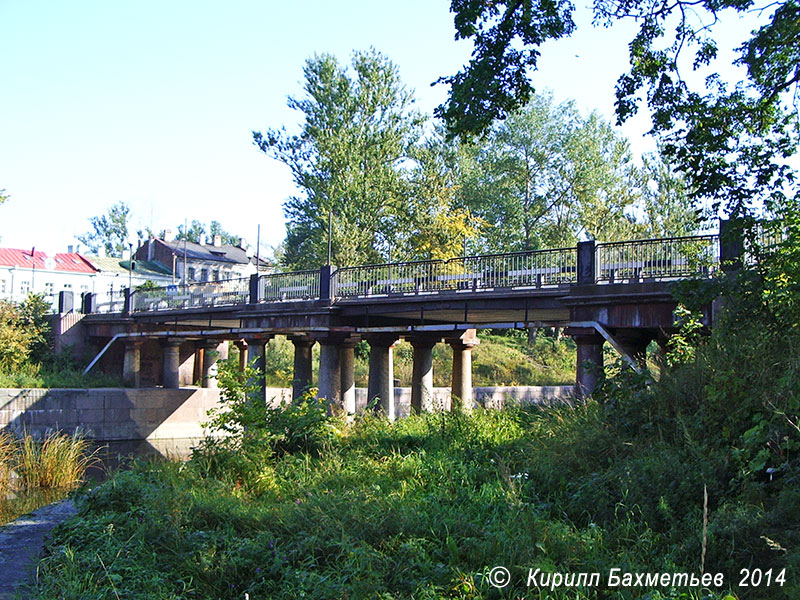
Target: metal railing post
254 289
128 302
89 303
586 262
325 282
731 244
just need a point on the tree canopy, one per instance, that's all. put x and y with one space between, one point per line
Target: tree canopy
109 231
546 177
348 160
731 141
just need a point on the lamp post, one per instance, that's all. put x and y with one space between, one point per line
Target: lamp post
130 266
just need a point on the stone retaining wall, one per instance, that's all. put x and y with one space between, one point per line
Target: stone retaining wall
169 421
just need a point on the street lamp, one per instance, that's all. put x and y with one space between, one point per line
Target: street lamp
130 266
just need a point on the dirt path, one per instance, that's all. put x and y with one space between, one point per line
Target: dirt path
21 542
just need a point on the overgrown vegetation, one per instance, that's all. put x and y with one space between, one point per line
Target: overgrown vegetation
27 359
697 472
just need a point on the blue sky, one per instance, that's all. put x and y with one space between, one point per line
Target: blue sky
152 103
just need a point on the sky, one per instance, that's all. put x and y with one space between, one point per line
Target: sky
153 103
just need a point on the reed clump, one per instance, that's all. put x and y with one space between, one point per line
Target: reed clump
58 461
7 462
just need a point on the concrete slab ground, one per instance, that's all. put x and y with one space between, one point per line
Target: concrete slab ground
21 544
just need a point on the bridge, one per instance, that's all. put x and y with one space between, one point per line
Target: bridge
618 292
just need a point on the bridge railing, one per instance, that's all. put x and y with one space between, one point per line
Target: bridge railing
533 269
109 302
666 258
192 295
298 285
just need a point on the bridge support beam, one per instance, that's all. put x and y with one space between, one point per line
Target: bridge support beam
635 344
330 374
131 363
461 388
171 363
589 368
422 376
381 373
347 360
303 376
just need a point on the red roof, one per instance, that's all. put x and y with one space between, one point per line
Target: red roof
25 259
12 257
72 261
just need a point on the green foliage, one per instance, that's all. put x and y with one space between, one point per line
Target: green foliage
3 196
14 340
506 36
250 425
196 232
358 129
545 177
732 142
421 508
110 231
24 333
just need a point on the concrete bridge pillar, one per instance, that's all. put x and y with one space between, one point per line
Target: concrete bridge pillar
132 363
241 345
589 367
211 354
347 359
461 388
171 362
422 375
303 376
256 347
330 373
381 372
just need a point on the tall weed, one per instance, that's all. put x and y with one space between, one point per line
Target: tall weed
58 461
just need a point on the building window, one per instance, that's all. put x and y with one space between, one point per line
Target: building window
190 273
216 275
2 286
203 274
67 286
25 287
48 289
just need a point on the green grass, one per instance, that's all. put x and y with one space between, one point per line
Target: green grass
423 508
36 376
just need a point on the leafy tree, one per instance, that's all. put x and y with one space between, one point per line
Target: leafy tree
495 82
348 159
3 196
24 332
546 176
665 203
228 239
435 224
110 231
194 233
731 143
